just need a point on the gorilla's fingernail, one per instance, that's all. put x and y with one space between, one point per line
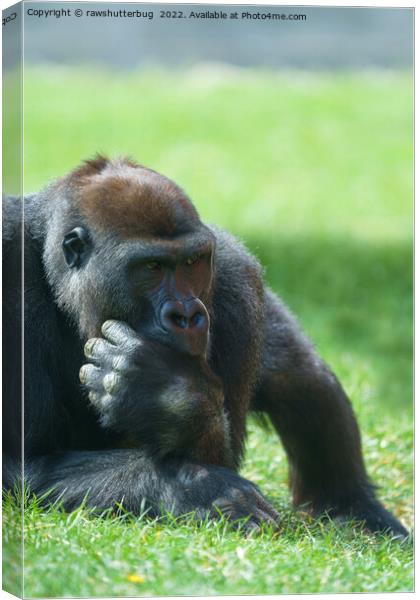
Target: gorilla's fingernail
82 374
108 325
89 347
110 382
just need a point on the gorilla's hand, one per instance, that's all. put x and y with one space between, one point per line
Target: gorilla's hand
214 490
153 395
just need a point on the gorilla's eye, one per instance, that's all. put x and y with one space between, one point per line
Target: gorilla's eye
74 246
153 265
192 260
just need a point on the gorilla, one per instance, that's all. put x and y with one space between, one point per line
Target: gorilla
148 337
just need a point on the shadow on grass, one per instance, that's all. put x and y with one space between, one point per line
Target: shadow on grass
353 298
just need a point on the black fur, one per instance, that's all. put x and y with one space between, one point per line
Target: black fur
129 447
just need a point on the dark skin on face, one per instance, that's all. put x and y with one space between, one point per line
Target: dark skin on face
181 339
172 281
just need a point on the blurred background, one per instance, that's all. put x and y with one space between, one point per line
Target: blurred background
328 38
295 135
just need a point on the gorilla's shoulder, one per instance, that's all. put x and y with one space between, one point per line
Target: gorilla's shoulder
12 217
238 284
15 210
232 257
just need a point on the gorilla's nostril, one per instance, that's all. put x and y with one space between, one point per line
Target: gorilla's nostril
198 319
179 320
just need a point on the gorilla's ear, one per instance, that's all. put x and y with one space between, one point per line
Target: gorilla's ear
74 246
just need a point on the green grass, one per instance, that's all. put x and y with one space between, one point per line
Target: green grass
314 173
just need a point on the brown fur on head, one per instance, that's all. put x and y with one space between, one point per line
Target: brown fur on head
131 200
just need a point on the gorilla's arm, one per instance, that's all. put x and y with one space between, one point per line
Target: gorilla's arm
314 418
107 479
12 326
154 397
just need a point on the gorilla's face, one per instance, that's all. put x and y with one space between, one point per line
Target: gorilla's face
130 246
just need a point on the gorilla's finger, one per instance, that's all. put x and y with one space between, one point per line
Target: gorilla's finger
94 398
111 382
100 401
97 348
247 525
90 375
264 517
248 522
266 507
120 363
120 334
